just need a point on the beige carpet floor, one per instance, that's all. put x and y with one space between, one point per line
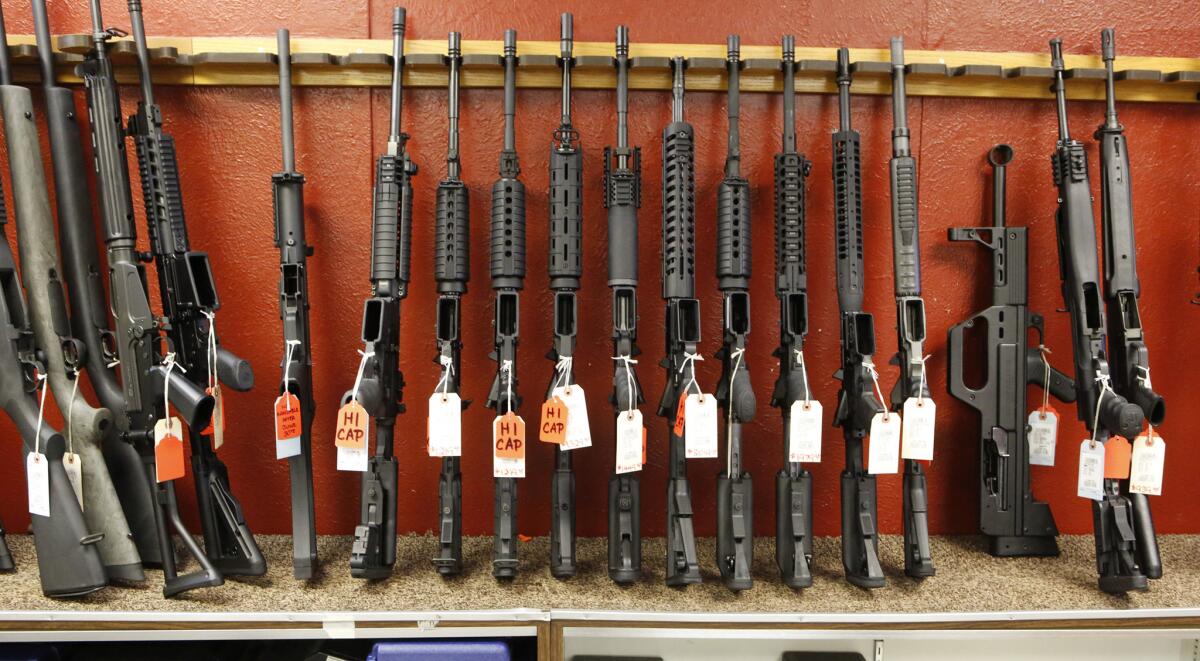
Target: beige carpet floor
968 579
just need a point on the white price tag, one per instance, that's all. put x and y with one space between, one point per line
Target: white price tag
73 465
579 431
629 441
508 446
916 434
1149 458
700 427
1043 435
883 452
804 432
1091 470
445 425
352 459
37 471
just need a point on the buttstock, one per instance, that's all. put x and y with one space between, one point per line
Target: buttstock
234 371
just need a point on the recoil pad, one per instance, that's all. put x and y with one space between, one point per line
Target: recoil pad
565 262
452 266
679 212
162 184
791 170
508 233
733 233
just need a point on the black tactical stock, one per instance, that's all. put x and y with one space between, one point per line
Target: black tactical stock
910 315
857 403
1105 412
373 552
1015 523
565 265
682 333
138 334
452 270
735 395
189 302
288 194
508 275
622 198
1130 366
793 484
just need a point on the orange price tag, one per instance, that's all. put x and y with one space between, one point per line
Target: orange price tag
168 449
216 424
287 418
351 431
508 434
679 415
554 422
1118 454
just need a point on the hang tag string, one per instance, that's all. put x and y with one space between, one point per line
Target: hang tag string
362 365
1144 375
212 349
71 411
1149 435
288 349
40 380
1045 351
690 359
878 393
923 385
1104 387
506 371
803 373
736 355
562 372
629 362
171 365
447 372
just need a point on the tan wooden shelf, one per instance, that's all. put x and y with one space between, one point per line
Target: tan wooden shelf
250 61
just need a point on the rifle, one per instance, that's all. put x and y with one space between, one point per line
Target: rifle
69 561
189 302
294 251
1015 523
683 323
857 403
1103 411
910 316
508 274
138 334
622 198
89 318
565 265
382 385
452 271
735 395
59 352
1130 367
793 484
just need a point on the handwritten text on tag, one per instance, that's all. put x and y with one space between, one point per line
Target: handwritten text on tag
700 427
883 450
1149 458
579 430
1043 435
73 465
916 434
1091 470
288 425
804 432
37 472
508 446
629 441
445 425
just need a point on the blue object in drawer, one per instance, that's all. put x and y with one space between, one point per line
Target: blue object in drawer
441 650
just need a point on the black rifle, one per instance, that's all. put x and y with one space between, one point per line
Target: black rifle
508 275
59 352
452 271
69 561
565 264
622 198
910 315
683 323
857 403
139 335
1130 368
793 484
1015 523
1103 411
89 318
381 391
735 504
189 300
294 251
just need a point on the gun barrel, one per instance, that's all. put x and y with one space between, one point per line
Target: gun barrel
1060 89
143 55
5 64
510 89
454 54
622 93
1108 48
285 100
678 64
566 45
900 146
398 16
733 62
41 29
843 81
789 93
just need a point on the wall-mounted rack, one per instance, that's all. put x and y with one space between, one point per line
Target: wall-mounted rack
250 61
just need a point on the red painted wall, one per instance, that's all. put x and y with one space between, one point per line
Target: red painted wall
228 142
